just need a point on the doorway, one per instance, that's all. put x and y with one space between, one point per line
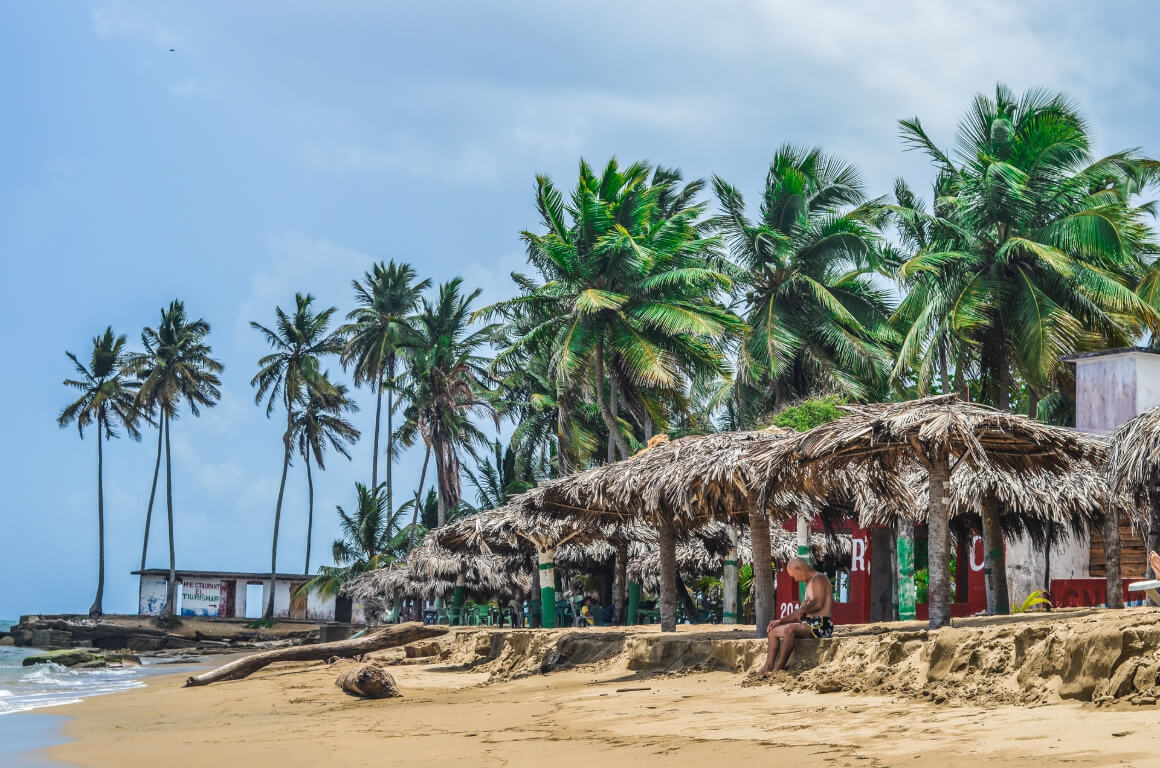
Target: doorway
254 603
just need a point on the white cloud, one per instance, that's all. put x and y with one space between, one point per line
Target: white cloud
409 156
187 87
116 20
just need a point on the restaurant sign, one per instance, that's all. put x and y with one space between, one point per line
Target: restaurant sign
200 598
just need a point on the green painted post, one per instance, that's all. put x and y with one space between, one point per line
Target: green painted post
396 604
633 601
906 589
547 589
457 597
803 550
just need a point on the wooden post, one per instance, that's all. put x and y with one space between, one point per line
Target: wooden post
547 588
994 560
731 606
939 555
668 552
620 582
906 588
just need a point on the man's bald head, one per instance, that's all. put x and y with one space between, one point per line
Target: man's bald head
798 567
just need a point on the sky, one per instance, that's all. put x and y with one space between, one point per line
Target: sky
232 154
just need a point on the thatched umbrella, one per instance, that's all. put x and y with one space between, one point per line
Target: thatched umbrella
944 435
1134 469
678 486
513 529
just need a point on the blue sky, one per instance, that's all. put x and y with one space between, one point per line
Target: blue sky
286 146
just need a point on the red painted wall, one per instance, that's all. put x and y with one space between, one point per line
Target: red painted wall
857 609
1089 593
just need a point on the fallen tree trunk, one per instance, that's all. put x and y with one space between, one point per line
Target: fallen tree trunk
369 643
368 681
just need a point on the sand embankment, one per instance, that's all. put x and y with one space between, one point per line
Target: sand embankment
481 698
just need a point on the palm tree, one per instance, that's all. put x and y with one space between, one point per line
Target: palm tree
803 272
375 332
107 399
626 304
175 367
496 482
1045 246
444 385
287 377
318 424
371 538
1035 253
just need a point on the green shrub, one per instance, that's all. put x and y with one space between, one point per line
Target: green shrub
811 413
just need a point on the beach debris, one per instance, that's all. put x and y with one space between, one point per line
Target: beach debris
388 637
626 690
370 681
81 658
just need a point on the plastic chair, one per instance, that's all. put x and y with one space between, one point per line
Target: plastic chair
482 615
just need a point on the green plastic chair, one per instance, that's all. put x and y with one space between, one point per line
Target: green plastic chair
482 615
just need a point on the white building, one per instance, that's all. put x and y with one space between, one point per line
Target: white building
229 594
1111 388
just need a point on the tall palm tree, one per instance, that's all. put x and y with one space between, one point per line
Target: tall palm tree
371 538
318 424
175 367
1047 243
803 272
376 330
287 377
1039 251
444 385
107 400
626 303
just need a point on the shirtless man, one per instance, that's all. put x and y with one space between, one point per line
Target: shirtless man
812 619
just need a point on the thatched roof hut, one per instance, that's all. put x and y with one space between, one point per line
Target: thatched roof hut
945 436
678 486
1134 459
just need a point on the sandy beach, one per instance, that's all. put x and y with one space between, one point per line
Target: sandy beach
293 715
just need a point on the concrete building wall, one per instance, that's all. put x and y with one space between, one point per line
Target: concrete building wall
1105 392
319 609
151 595
1147 383
1025 564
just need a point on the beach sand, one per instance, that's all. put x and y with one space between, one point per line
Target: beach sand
293 715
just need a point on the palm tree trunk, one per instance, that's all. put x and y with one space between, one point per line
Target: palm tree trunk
1032 403
620 582
378 417
152 494
269 612
944 372
418 493
605 412
171 587
994 560
390 441
310 510
1112 557
938 550
668 552
764 603
95 609
614 409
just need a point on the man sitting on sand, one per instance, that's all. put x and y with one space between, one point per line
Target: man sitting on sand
812 619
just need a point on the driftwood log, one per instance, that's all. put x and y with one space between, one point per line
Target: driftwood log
369 643
369 681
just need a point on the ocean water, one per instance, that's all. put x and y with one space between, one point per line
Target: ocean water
49 685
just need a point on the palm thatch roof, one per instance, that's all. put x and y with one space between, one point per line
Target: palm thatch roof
1037 503
688 482
1134 460
877 445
